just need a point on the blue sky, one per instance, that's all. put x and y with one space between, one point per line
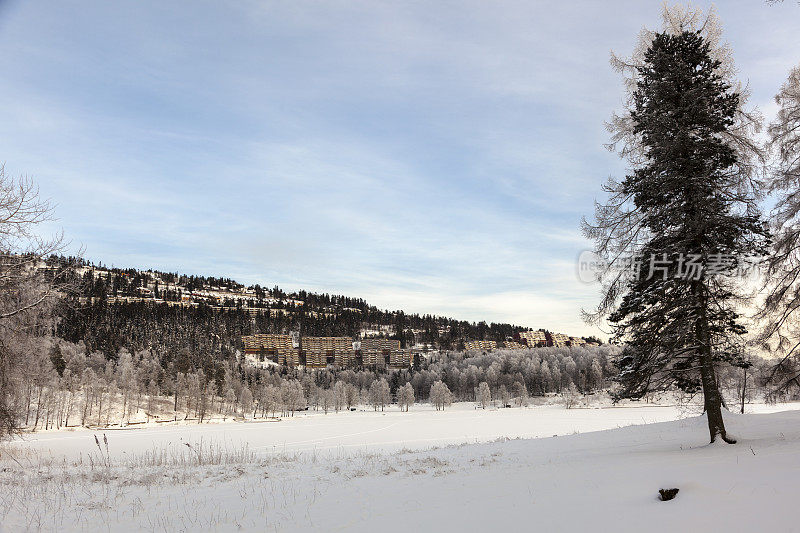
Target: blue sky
434 157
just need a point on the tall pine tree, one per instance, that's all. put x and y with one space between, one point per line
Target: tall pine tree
695 226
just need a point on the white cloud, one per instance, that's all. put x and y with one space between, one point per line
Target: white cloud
435 158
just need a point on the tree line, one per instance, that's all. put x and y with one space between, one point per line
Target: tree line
66 385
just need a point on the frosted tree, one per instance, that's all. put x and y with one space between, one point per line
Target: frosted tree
70 383
689 210
88 382
230 402
781 321
152 396
379 394
292 396
205 394
326 400
546 377
484 395
102 389
521 393
405 396
555 379
440 396
570 396
596 375
620 230
193 393
26 295
746 123
231 387
339 396
351 395
268 399
181 388
503 395
126 379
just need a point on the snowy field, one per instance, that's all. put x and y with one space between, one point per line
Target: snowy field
422 470
365 429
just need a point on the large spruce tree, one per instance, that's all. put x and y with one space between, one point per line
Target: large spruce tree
695 227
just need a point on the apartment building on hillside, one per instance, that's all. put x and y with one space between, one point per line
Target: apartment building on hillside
480 345
377 330
376 352
559 339
534 338
274 347
513 345
319 352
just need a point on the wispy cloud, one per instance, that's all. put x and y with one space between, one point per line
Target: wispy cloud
431 157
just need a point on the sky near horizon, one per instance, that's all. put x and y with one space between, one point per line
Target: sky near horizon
435 157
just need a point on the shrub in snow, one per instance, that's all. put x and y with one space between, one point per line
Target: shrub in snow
667 494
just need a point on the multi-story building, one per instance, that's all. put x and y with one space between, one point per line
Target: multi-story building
380 352
559 339
513 345
319 352
534 338
400 358
480 345
277 348
377 330
576 341
375 352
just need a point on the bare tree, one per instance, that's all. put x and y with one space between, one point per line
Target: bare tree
351 395
292 396
28 291
246 400
504 396
339 396
268 399
379 394
781 322
440 395
484 394
405 396
325 399
570 396
521 393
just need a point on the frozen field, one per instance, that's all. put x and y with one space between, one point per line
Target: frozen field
362 471
422 427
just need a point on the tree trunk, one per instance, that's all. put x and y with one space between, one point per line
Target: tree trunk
712 398
38 408
744 387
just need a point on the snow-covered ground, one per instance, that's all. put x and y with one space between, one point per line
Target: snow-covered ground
367 430
358 471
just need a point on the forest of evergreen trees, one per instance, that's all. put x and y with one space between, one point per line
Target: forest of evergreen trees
96 316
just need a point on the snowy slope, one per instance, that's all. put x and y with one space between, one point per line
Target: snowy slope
599 481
